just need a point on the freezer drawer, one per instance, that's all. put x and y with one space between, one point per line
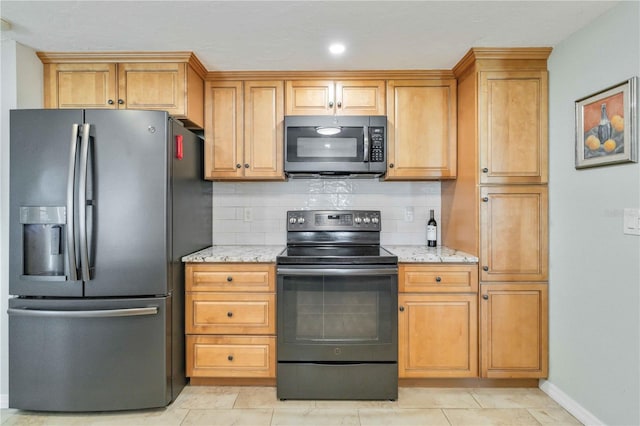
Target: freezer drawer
89 355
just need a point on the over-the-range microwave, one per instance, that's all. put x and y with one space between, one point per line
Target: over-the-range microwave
335 145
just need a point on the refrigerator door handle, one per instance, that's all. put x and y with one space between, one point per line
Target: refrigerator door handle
71 177
104 313
82 203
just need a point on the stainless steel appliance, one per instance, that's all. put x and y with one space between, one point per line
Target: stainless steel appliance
337 308
103 204
335 145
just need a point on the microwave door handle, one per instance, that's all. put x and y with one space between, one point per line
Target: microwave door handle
366 144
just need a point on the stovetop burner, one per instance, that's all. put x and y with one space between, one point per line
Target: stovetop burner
341 255
341 237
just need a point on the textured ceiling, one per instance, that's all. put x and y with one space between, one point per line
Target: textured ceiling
294 35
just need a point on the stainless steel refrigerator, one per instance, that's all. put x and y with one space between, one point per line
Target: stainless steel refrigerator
103 204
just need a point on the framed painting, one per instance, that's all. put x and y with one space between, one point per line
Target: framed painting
606 124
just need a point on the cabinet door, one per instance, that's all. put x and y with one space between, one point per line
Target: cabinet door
513 233
438 335
310 97
421 129
365 97
263 129
513 121
223 130
153 86
514 330
80 86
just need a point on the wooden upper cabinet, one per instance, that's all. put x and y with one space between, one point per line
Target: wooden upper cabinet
223 130
328 97
263 129
514 330
244 130
514 233
152 86
513 120
172 82
81 86
421 129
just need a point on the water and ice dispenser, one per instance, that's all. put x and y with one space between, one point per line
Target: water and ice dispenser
43 242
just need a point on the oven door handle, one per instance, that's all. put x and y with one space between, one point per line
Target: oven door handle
337 271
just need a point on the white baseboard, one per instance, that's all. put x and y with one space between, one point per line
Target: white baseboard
569 404
4 400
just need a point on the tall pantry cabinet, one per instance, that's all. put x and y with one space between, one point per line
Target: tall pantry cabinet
498 206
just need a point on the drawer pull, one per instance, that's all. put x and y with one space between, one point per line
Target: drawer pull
229 278
401 308
229 314
230 357
438 279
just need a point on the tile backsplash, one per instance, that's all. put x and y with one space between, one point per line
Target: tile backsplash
255 212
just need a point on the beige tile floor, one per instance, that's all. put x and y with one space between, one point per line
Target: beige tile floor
256 406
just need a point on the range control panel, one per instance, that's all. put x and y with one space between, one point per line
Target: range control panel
333 220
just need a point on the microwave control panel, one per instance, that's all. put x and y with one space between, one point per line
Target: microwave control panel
376 135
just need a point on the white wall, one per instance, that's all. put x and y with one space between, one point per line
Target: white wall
21 82
404 207
594 276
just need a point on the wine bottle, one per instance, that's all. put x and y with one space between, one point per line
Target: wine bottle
432 230
604 127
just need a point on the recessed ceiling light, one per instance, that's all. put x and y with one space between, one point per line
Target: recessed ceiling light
337 48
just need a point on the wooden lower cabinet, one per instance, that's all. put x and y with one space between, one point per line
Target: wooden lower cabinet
230 321
438 335
514 330
231 356
437 321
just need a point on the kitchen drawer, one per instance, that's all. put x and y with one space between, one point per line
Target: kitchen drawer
231 356
230 277
429 278
230 313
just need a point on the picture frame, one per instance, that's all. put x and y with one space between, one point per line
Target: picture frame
606 124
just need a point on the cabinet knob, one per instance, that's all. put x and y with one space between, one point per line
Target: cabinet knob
485 268
401 308
110 101
230 357
485 199
485 170
229 314
339 104
391 166
438 279
238 166
120 102
229 278
246 165
485 296
330 104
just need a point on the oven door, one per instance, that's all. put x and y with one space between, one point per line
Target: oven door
338 314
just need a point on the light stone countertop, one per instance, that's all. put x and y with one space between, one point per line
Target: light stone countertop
256 254
268 254
440 254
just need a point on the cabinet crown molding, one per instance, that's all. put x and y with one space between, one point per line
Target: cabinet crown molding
137 57
330 75
537 55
